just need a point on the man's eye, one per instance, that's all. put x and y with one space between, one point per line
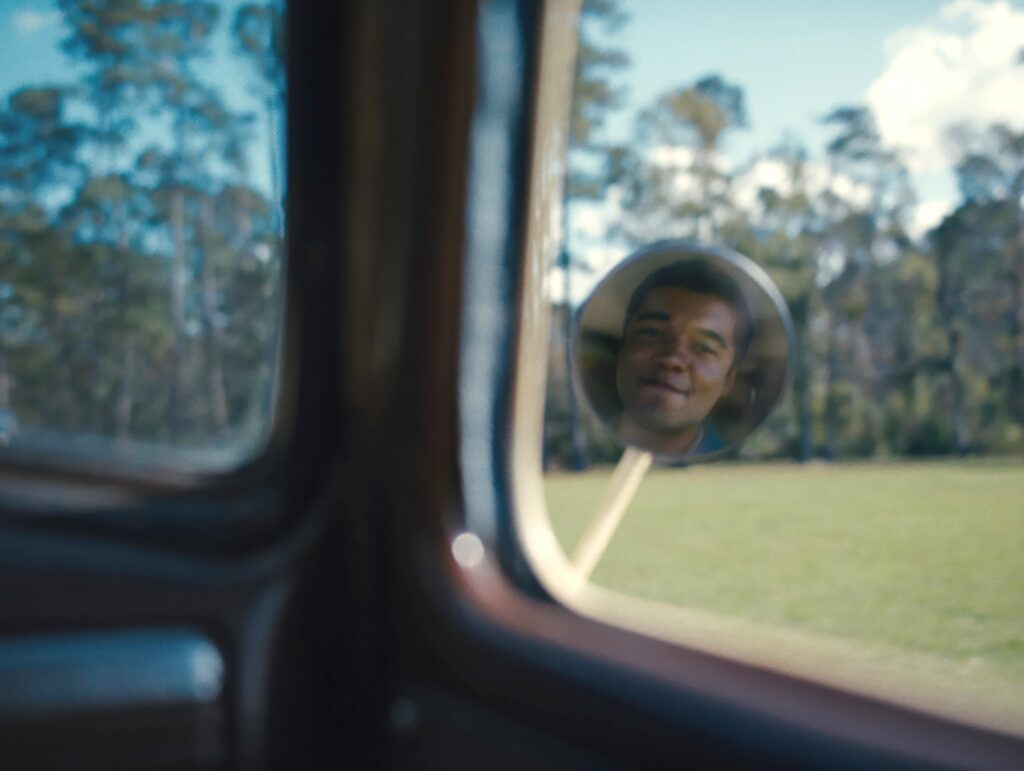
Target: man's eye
705 349
648 332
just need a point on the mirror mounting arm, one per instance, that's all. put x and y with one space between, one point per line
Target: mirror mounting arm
628 474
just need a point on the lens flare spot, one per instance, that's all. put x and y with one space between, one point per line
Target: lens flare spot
468 550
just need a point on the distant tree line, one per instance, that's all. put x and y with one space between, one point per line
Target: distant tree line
139 263
905 346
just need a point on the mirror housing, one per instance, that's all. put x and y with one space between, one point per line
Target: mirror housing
702 358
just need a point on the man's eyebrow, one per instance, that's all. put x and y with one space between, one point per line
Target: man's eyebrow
652 316
714 335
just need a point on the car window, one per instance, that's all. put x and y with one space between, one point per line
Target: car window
870 159
141 181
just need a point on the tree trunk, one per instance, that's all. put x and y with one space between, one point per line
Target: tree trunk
871 330
1015 281
179 279
802 393
212 343
1015 376
5 385
948 305
832 395
961 441
579 445
7 417
126 394
62 411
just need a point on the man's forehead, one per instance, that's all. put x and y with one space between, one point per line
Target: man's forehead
675 303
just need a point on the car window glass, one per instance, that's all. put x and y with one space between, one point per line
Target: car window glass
870 159
141 180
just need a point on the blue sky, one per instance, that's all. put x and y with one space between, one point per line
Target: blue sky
921 65
30 35
795 59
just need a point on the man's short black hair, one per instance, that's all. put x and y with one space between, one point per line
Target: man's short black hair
702 277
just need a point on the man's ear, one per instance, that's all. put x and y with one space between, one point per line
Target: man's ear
730 380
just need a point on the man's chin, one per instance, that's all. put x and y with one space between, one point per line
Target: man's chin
657 423
660 406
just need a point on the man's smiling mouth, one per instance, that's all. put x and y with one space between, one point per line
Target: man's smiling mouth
663 385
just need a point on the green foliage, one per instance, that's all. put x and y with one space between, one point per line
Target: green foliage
696 115
903 347
140 285
687 196
594 93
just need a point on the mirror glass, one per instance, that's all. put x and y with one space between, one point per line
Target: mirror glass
682 350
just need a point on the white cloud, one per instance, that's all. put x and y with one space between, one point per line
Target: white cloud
849 190
591 245
683 157
29 22
599 257
590 219
960 66
926 215
773 173
765 173
669 156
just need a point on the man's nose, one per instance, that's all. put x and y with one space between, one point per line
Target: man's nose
674 355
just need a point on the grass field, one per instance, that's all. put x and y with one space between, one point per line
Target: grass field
916 567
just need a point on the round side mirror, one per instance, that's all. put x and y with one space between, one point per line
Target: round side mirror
682 350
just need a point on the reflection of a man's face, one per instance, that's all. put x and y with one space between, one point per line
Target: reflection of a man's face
675 362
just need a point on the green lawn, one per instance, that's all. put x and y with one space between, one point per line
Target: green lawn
919 566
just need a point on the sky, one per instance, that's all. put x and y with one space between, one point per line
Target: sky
921 65
30 35
30 32
795 59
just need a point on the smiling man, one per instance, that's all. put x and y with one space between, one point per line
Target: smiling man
687 327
